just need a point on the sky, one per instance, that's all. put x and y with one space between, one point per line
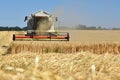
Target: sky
105 13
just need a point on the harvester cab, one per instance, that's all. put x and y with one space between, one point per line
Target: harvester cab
41 26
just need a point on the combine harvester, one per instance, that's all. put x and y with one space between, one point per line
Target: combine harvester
41 26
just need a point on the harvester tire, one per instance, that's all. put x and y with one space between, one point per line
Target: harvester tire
13 37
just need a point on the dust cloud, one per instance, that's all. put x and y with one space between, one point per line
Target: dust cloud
43 25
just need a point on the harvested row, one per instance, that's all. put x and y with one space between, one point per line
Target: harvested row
63 47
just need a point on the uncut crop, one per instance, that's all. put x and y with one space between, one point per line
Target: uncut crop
89 59
64 47
52 66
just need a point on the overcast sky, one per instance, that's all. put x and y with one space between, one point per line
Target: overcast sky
104 13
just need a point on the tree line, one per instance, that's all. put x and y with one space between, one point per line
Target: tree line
78 27
84 27
16 28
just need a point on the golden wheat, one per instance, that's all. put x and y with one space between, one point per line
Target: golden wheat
77 61
52 66
64 47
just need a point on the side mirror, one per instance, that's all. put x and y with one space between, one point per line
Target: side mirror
56 18
25 18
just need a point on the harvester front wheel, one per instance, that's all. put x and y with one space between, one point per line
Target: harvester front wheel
68 37
13 37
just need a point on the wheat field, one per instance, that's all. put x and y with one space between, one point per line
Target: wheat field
90 55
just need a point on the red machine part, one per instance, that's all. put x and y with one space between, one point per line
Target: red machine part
41 37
